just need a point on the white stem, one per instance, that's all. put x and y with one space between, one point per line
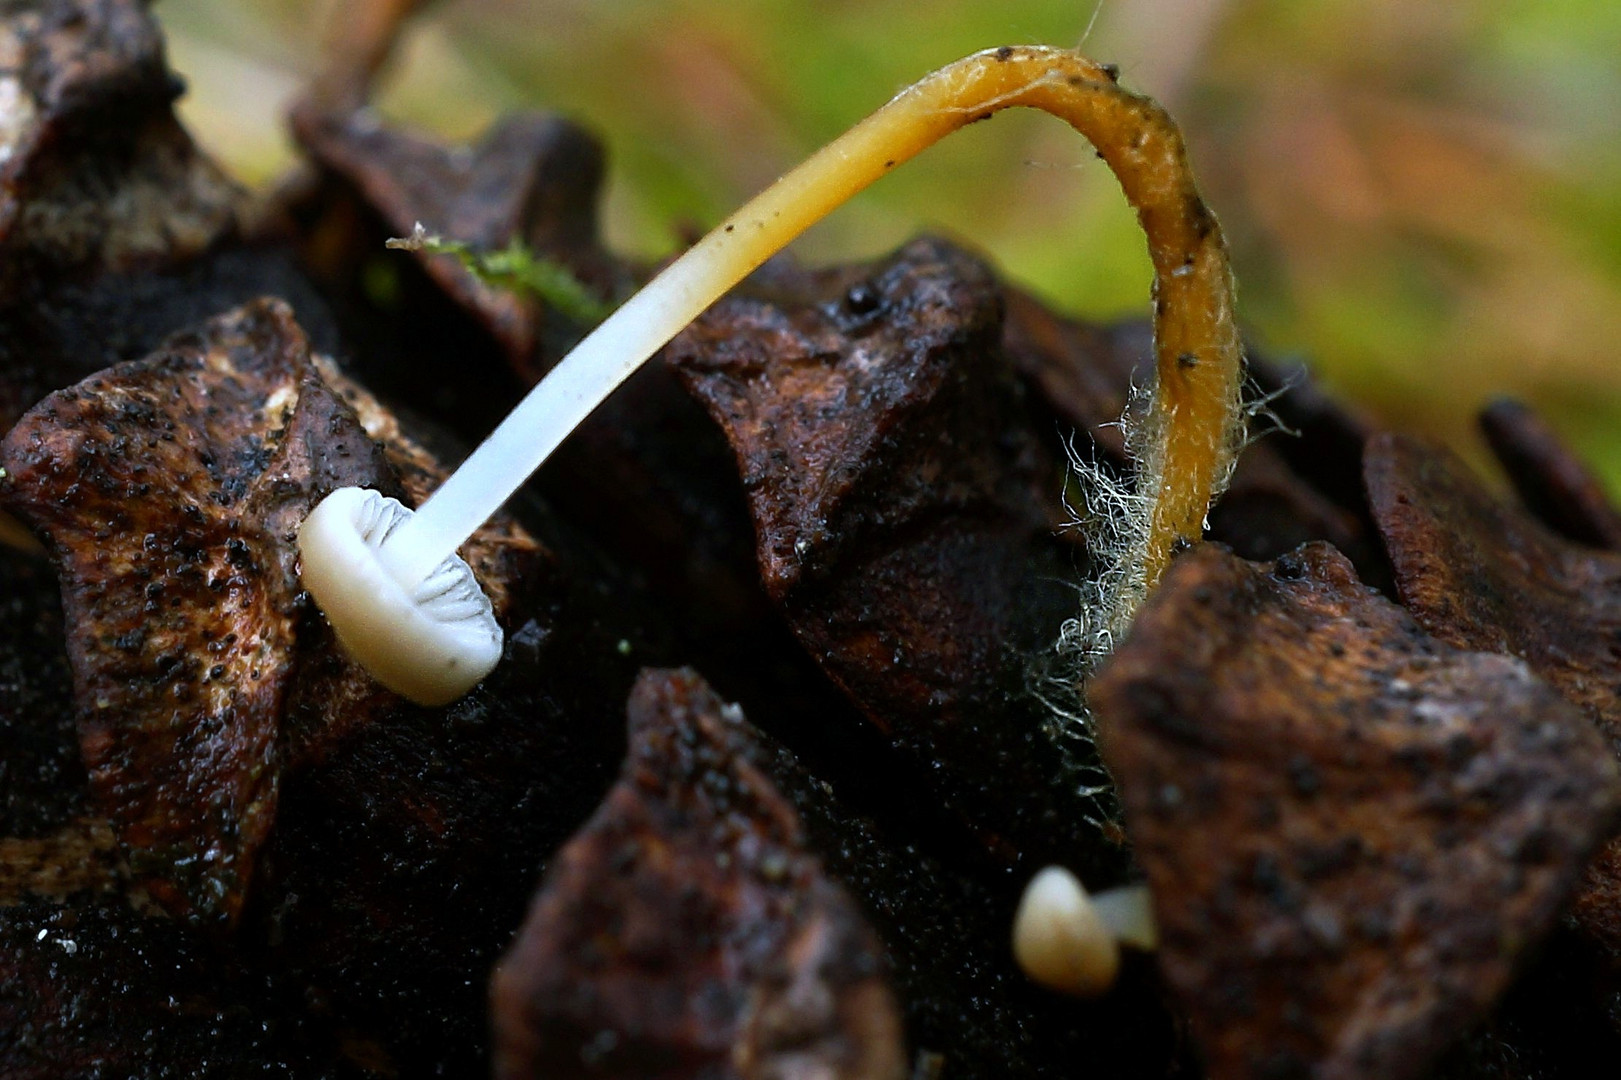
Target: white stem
1128 912
913 120
612 352
545 417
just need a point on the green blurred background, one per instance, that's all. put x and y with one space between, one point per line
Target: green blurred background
1424 199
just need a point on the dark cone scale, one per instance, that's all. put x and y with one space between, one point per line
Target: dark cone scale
170 491
97 172
532 179
1481 574
52 842
685 932
1553 483
901 480
115 230
1353 831
42 783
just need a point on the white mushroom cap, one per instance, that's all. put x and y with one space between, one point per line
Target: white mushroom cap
1065 941
431 642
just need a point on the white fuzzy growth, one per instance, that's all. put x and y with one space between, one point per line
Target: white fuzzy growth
1115 516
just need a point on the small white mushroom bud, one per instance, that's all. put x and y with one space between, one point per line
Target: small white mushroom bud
1069 941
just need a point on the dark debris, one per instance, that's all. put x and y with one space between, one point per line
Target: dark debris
66 331
42 782
946 929
406 848
92 989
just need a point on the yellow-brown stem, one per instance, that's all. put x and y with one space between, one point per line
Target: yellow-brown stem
1194 423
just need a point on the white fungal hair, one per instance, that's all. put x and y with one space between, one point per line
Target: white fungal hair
1113 513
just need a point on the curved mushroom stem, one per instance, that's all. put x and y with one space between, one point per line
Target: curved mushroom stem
1192 428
